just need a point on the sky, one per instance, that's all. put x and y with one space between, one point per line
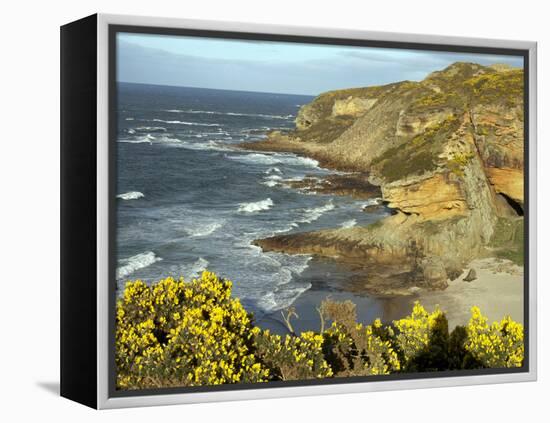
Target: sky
276 67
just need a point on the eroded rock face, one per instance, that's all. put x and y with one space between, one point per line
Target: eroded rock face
352 106
434 197
507 181
434 273
447 153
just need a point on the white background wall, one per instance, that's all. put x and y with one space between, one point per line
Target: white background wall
29 196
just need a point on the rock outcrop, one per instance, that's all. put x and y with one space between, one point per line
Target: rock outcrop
447 153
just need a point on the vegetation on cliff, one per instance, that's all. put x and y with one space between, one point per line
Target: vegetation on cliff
177 333
447 153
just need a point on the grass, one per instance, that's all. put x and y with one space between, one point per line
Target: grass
508 239
417 156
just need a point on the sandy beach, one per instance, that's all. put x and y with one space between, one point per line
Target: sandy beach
497 290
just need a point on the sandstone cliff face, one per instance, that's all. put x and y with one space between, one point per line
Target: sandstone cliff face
447 153
421 140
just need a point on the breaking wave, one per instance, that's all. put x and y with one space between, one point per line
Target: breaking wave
132 195
272 180
211 112
348 224
139 261
273 170
190 271
312 214
273 159
372 202
204 229
181 122
256 206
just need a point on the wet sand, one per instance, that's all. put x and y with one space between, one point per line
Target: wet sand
498 291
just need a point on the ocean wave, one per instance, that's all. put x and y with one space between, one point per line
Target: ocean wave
282 298
181 122
273 159
270 184
255 158
256 206
299 263
190 271
372 202
139 261
132 195
150 129
148 138
273 170
286 289
272 180
306 161
204 146
212 112
348 224
312 214
204 229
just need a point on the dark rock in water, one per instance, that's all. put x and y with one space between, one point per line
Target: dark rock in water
471 276
374 208
355 185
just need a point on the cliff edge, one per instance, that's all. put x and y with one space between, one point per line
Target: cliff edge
447 153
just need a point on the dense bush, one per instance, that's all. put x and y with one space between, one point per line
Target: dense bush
176 333
497 345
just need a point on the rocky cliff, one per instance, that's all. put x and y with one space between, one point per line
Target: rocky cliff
447 154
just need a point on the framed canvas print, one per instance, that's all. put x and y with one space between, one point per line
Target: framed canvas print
254 211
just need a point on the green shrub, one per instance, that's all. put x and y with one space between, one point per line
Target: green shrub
293 357
177 333
497 345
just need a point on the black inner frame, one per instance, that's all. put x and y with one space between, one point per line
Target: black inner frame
113 123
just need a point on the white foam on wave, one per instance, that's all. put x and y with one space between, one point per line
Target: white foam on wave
281 299
348 224
190 271
306 161
312 214
272 180
273 170
148 138
181 122
132 195
256 206
212 112
255 158
150 128
372 202
139 261
285 288
204 146
273 159
202 230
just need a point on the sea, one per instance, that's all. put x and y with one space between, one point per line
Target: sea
188 199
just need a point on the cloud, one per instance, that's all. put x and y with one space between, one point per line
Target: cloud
275 72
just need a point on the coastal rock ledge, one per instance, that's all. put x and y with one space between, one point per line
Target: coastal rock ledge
448 155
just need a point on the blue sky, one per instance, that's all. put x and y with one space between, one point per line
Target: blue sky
275 66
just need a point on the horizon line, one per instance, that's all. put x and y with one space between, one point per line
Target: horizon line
216 89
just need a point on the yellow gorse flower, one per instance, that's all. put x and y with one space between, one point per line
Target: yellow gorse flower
178 333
